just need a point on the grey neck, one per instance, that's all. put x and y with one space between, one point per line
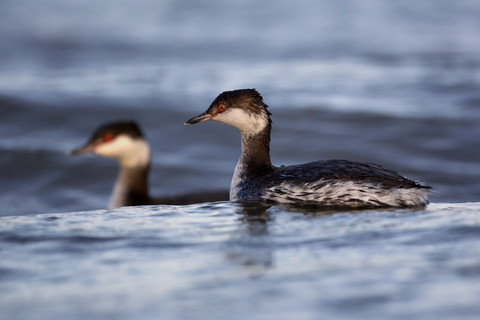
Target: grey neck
255 156
131 187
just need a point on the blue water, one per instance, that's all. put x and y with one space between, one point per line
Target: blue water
394 83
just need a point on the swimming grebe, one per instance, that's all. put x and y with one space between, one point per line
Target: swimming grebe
125 142
328 183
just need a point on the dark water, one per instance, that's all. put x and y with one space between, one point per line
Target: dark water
395 83
386 82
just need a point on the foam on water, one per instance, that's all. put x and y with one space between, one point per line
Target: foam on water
219 259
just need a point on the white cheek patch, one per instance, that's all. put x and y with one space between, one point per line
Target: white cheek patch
129 152
247 123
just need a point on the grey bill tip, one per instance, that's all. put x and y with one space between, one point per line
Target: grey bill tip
81 150
200 118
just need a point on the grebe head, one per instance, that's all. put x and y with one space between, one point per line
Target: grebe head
243 109
122 141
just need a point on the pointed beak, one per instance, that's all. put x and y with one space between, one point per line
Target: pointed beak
82 150
200 118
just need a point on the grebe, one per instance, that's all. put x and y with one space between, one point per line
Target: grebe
327 183
125 142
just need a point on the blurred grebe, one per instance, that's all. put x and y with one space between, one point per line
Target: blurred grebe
328 183
125 142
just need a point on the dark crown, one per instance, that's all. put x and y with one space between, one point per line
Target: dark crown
248 99
129 128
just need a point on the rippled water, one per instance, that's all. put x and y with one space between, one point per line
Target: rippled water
220 260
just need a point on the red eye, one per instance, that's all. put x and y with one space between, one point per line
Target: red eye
221 108
108 137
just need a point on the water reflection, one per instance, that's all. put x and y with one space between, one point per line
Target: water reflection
258 243
315 211
254 216
252 247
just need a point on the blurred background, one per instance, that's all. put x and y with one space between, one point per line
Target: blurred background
390 82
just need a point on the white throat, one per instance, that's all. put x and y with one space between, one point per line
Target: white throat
248 123
117 199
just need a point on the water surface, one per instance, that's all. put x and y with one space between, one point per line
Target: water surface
221 260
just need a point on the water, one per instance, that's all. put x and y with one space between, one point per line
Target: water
220 260
379 81
391 83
